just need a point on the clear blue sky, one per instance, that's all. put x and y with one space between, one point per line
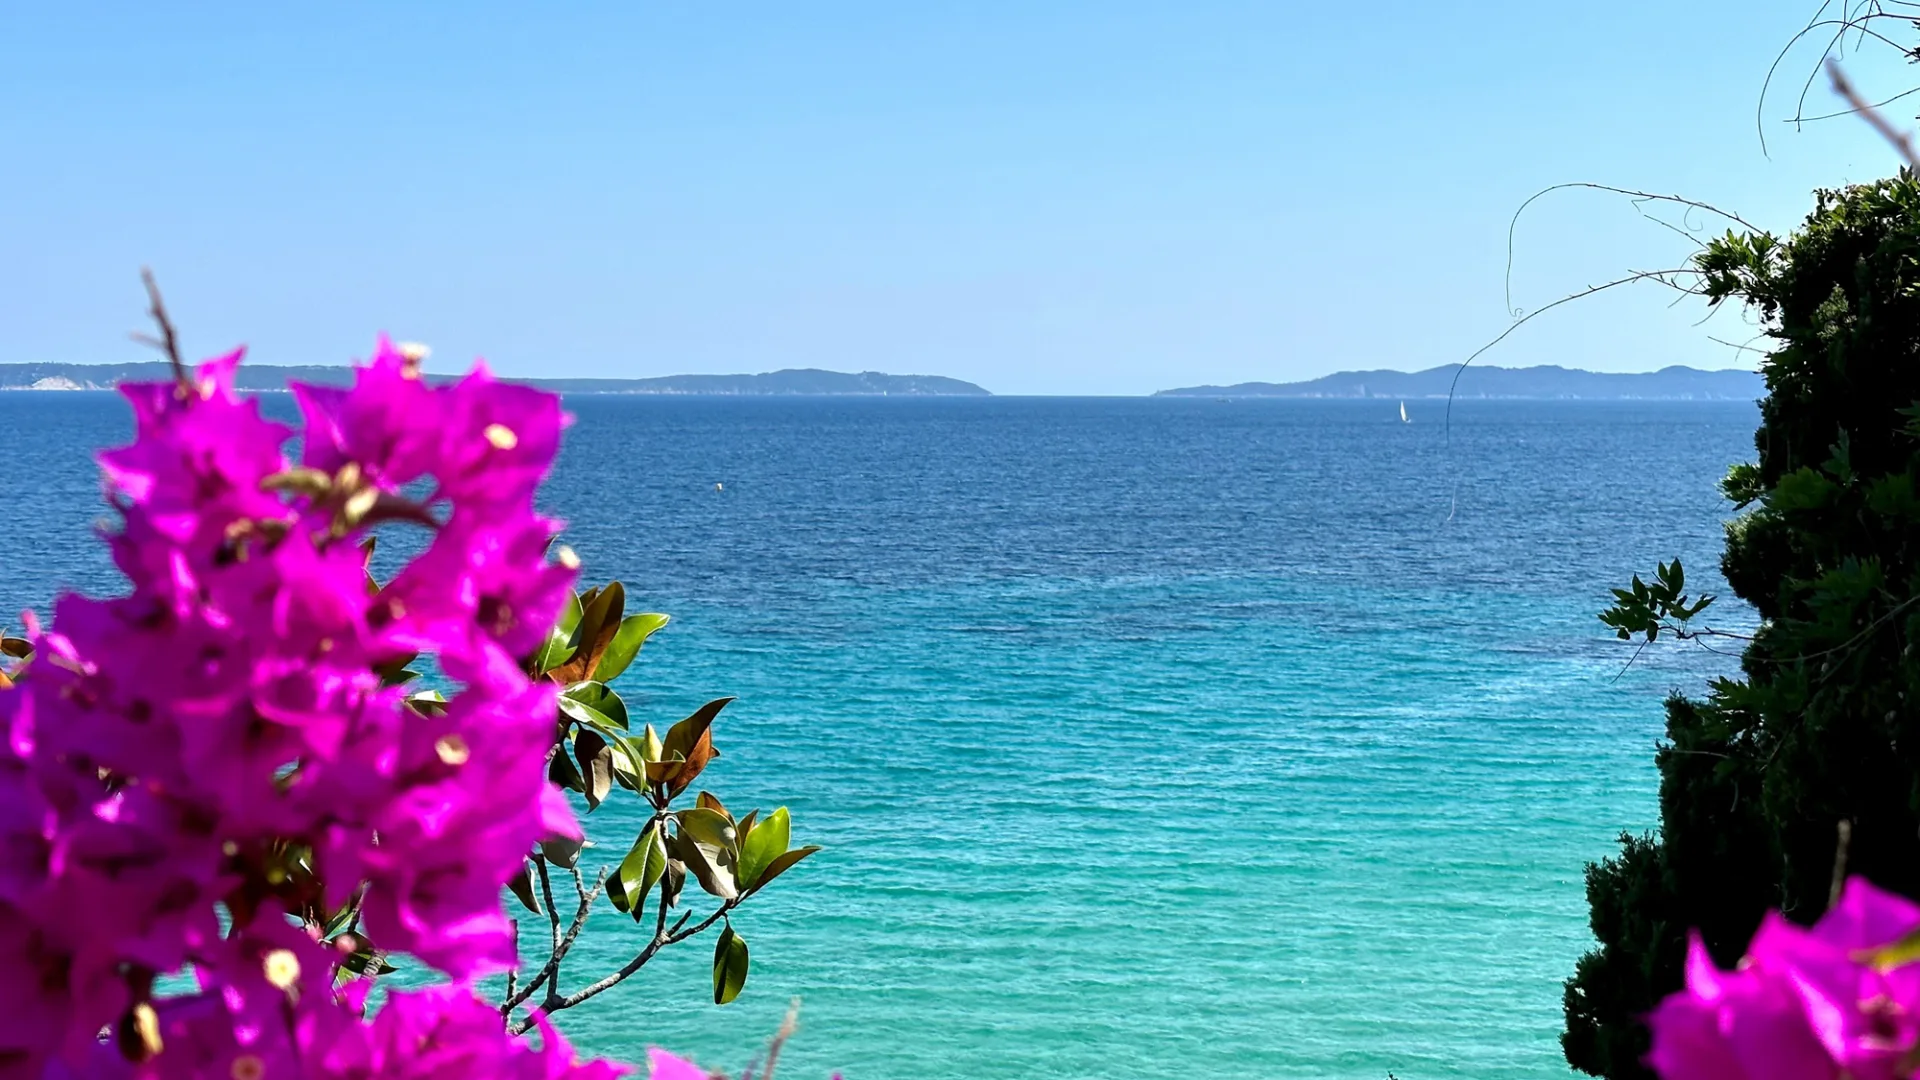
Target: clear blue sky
1063 197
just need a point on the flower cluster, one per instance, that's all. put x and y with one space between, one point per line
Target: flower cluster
1839 999
205 772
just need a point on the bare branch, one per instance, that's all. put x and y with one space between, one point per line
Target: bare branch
1664 277
1901 140
168 341
627 970
1639 196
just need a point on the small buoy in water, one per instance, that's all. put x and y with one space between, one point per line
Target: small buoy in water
719 487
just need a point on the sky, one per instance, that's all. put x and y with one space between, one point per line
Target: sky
1057 197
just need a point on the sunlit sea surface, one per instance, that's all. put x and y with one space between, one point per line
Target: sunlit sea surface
1145 737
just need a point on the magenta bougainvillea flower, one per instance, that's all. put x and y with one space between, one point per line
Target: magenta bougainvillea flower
1815 1003
224 746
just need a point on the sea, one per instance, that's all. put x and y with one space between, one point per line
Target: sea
1143 737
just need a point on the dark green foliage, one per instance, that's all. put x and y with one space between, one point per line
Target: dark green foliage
1756 777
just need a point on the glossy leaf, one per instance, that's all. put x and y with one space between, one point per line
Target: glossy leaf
562 851
705 864
588 716
521 885
599 622
710 827
767 842
561 773
18 648
781 865
674 881
555 652
692 739
598 697
710 801
596 766
643 867
633 632
729 966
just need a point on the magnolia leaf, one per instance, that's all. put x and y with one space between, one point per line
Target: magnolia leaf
767 842
596 766
705 866
589 716
521 885
561 851
660 772
729 966
633 632
553 653
673 882
743 829
709 827
562 774
710 801
599 698
643 868
781 865
692 739
599 622
18 648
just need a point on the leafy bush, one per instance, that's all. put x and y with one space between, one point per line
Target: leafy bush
1821 728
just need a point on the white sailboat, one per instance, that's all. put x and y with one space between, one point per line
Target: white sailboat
1403 413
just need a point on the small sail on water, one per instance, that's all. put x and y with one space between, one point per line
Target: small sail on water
1403 413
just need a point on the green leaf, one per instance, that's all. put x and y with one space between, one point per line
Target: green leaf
561 851
729 966
765 843
781 865
707 864
642 869
601 699
554 652
589 716
521 885
633 633
710 827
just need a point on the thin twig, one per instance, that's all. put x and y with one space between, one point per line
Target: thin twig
168 342
1660 276
787 1027
629 968
1901 140
1845 839
1639 196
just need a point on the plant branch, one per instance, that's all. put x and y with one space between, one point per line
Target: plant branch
168 342
549 973
1662 276
1901 141
660 941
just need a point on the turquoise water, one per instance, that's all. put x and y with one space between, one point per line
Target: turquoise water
1145 737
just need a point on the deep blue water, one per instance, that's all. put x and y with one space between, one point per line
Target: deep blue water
1146 737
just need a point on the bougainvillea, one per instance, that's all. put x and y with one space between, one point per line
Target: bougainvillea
196 773
1839 999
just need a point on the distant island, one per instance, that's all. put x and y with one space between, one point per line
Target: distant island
1669 384
266 377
